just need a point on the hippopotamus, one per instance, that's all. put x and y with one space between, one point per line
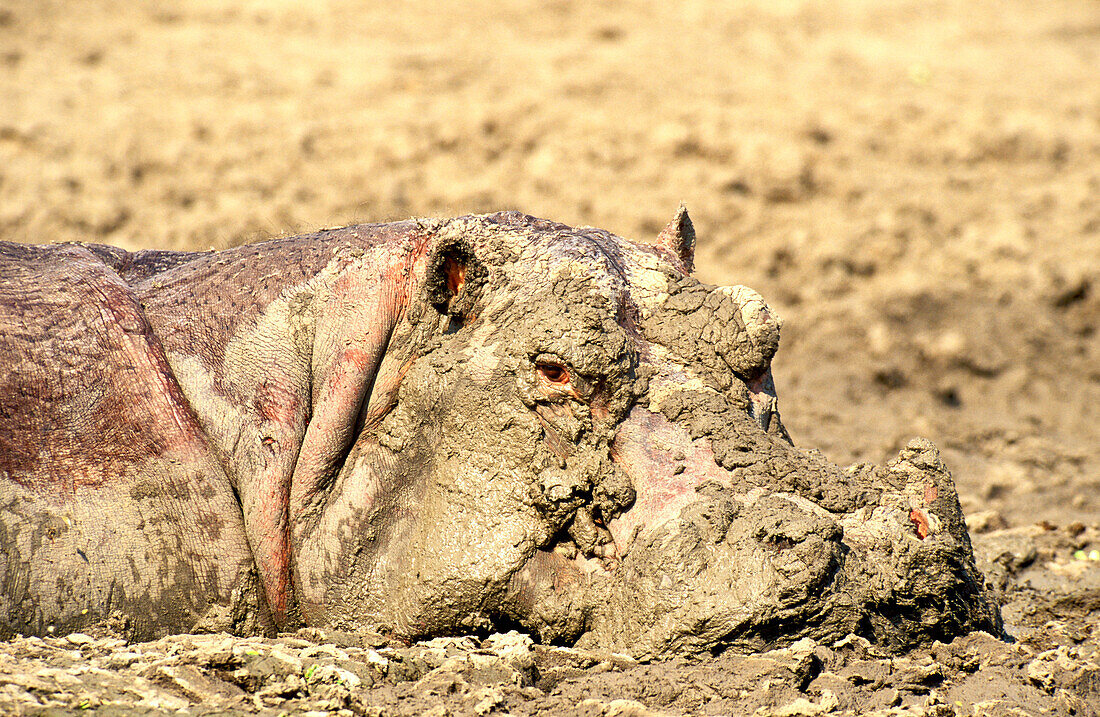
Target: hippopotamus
436 427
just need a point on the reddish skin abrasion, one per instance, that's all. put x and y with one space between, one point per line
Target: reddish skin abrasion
359 359
921 522
565 578
277 403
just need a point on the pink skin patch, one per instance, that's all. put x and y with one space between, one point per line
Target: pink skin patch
666 467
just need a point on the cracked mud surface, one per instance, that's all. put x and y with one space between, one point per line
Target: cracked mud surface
913 188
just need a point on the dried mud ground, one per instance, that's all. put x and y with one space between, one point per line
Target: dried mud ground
914 185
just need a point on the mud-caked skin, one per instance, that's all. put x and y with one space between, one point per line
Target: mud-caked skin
438 427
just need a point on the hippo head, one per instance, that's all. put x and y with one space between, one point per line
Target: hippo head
570 434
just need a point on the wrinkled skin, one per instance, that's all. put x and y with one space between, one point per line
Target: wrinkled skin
440 427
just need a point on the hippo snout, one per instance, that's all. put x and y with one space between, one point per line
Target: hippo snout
715 558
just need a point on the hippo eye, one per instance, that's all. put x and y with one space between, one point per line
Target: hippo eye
553 372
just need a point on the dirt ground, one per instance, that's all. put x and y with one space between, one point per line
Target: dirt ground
915 186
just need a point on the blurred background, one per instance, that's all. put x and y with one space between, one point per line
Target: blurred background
915 186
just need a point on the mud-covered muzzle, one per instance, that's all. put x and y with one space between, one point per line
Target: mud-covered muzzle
750 557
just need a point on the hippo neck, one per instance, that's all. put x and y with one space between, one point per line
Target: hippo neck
275 346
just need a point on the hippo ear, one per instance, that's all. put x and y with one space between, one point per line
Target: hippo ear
678 237
454 277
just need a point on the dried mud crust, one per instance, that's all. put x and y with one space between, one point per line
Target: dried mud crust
1051 669
1046 577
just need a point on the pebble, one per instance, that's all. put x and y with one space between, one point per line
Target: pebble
79 638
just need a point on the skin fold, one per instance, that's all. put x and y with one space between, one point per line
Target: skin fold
437 427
